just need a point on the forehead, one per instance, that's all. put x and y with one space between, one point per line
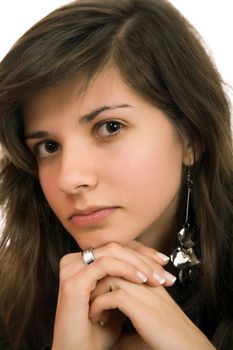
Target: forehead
73 98
58 108
106 86
68 102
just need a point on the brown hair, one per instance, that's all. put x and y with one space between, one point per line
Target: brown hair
160 55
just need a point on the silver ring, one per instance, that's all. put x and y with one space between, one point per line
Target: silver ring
88 256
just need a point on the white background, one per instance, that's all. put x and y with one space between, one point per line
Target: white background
212 18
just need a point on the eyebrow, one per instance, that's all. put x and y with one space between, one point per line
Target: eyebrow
87 118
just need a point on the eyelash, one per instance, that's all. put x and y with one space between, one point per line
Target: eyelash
36 151
117 133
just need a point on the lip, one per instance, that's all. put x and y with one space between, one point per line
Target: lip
89 210
91 216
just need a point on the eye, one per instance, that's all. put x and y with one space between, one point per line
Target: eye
45 149
109 128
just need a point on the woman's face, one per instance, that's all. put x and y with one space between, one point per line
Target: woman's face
126 155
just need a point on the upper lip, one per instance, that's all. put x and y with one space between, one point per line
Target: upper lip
88 210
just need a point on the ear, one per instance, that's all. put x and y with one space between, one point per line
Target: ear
189 156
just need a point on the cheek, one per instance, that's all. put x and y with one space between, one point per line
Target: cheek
48 186
151 174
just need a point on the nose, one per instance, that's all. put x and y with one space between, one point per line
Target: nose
77 170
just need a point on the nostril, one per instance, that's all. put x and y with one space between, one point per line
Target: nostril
72 184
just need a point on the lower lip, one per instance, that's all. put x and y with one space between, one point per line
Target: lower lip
92 218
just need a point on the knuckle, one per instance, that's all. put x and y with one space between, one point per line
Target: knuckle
147 270
112 247
146 266
63 261
67 286
101 262
66 259
71 286
159 269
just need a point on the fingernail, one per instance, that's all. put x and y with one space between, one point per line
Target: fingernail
162 256
169 277
142 277
158 278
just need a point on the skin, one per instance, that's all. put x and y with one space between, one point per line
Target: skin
140 172
93 169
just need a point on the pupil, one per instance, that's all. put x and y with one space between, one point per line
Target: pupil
50 147
112 127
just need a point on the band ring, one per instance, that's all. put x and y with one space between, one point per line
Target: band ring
88 256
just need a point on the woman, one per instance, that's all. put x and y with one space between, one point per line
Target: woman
116 142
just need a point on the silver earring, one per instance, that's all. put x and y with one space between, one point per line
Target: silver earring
186 256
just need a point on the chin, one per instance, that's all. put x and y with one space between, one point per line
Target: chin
85 243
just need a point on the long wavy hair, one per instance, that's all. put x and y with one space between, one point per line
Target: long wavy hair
162 57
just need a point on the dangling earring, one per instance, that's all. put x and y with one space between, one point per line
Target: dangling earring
185 257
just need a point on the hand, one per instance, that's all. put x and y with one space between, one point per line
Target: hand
73 329
158 320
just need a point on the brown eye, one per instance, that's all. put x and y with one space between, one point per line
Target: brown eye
46 148
109 128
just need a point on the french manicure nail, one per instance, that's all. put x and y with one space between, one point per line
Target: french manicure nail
162 256
169 277
158 278
142 277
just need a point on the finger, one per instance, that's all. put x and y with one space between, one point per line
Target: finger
151 272
149 252
70 265
102 287
159 274
106 285
118 299
156 275
145 318
74 292
104 317
150 296
87 278
69 258
150 309
111 283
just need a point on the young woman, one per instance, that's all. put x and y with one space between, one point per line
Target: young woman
116 184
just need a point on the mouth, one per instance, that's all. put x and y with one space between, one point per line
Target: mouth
90 217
